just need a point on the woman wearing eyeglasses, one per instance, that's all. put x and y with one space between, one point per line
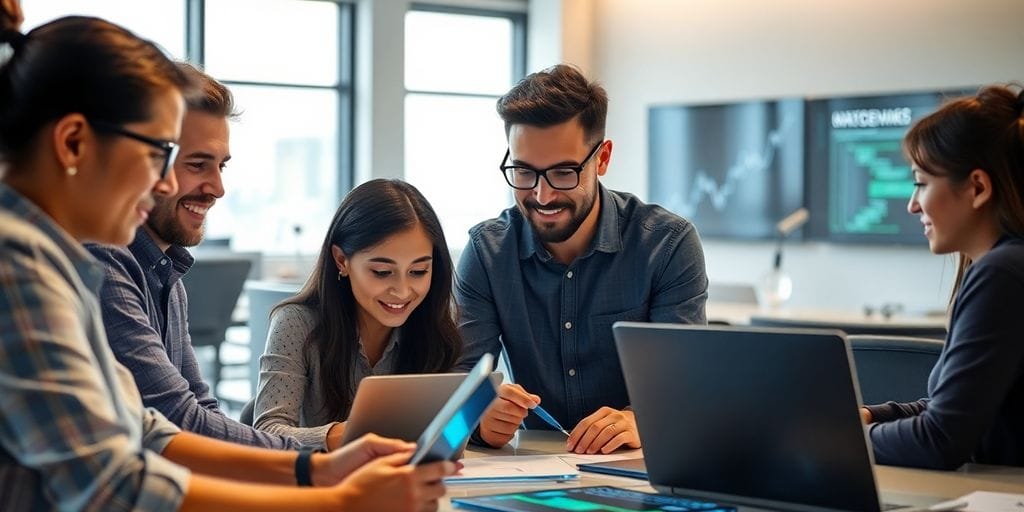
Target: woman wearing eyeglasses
88 118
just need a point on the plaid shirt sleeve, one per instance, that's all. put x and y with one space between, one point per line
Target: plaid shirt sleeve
65 412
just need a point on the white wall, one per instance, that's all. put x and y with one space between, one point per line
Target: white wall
658 51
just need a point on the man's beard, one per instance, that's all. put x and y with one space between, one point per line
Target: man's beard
163 220
546 231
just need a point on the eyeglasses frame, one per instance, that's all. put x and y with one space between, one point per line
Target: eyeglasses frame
169 148
537 173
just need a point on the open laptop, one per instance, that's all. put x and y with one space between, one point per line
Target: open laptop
756 417
401 406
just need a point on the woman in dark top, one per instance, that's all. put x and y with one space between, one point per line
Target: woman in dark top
968 165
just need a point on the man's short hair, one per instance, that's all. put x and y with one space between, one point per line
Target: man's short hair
213 97
554 96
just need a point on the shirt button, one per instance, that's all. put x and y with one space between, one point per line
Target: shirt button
572 372
569 274
568 325
163 261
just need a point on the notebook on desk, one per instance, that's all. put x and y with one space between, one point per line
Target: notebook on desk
630 468
753 417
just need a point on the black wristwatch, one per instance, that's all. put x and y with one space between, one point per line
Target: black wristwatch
303 467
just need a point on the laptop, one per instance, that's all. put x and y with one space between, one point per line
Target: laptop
765 418
401 406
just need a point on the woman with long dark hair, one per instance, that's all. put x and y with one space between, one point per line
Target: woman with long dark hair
379 301
968 165
89 118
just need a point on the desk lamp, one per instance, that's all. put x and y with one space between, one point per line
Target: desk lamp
776 286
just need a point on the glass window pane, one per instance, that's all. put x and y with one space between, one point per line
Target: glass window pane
283 171
453 146
160 21
457 53
281 41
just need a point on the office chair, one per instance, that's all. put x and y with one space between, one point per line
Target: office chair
263 296
935 332
893 367
213 285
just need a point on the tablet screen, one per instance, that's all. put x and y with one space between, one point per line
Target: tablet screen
590 499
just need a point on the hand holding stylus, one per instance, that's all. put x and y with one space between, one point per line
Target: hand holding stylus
504 416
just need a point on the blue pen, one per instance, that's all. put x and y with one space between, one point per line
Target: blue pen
549 419
544 415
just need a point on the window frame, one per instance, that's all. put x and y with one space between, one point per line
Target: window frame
195 46
519 28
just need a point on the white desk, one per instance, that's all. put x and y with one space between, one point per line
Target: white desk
739 314
931 486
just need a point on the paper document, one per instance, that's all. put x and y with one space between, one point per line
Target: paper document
512 468
982 501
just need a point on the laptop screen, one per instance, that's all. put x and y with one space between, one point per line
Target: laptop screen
757 416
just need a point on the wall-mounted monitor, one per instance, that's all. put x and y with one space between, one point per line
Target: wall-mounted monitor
733 170
858 181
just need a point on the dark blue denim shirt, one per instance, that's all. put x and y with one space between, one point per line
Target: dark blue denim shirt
644 264
145 312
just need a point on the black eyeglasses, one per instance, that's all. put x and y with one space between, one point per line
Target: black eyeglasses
560 177
170 149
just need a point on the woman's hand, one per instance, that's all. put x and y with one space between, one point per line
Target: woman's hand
390 483
333 467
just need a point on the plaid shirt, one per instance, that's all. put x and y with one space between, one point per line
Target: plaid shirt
73 432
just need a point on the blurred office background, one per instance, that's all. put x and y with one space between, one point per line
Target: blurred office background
337 92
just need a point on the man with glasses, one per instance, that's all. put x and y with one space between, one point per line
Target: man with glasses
143 298
547 279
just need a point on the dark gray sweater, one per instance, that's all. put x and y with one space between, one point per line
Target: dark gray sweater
975 406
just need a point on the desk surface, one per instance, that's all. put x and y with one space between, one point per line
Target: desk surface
739 314
935 485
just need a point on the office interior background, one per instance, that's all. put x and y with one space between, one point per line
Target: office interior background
334 93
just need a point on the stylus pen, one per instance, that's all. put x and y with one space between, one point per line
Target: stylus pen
544 415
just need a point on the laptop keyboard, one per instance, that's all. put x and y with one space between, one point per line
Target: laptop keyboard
665 503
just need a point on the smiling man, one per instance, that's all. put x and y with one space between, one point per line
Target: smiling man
550 276
144 304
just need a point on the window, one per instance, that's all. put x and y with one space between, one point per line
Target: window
161 21
457 64
289 65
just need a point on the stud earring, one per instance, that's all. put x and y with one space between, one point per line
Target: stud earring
71 170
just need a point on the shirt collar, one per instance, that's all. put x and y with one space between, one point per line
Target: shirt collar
607 238
88 268
151 258
390 351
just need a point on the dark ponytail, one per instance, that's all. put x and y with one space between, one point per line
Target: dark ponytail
77 65
984 131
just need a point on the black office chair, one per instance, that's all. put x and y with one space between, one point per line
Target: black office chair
934 332
893 367
213 285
